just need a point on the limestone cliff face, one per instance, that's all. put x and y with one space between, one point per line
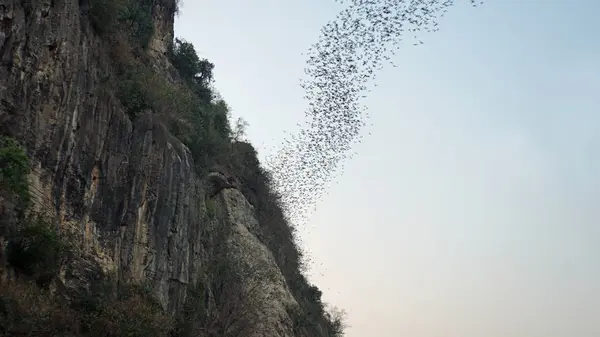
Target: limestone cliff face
126 190
270 295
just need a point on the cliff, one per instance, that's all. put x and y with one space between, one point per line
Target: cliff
138 172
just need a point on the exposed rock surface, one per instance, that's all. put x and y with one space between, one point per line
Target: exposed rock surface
127 190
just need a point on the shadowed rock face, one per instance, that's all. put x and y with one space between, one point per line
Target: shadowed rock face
127 189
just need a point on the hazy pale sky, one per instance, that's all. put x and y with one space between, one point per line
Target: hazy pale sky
473 209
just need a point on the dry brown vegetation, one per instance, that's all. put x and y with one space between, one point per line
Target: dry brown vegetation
27 310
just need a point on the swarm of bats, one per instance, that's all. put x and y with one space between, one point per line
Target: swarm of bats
346 58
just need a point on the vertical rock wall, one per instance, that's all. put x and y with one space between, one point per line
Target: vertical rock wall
126 189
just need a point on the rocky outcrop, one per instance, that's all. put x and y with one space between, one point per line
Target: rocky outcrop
265 285
126 189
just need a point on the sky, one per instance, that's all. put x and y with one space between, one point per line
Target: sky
473 208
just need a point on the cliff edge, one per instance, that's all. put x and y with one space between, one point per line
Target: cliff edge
133 167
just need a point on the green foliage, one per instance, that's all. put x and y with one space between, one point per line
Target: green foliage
103 14
208 134
139 88
36 249
138 17
14 168
198 73
171 5
201 125
314 294
133 16
132 91
211 208
185 59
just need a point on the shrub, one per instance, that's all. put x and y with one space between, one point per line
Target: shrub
329 322
132 91
211 208
185 59
198 73
26 310
14 168
36 249
301 321
106 16
176 102
138 18
207 134
171 5
132 313
194 316
139 88
192 111
336 321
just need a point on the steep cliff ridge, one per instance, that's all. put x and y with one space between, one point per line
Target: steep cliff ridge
128 186
135 165
89 88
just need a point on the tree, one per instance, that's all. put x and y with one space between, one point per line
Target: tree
193 69
337 319
239 130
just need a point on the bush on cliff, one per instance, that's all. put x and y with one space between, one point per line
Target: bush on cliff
198 73
132 16
27 310
14 168
192 109
126 311
103 14
36 249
